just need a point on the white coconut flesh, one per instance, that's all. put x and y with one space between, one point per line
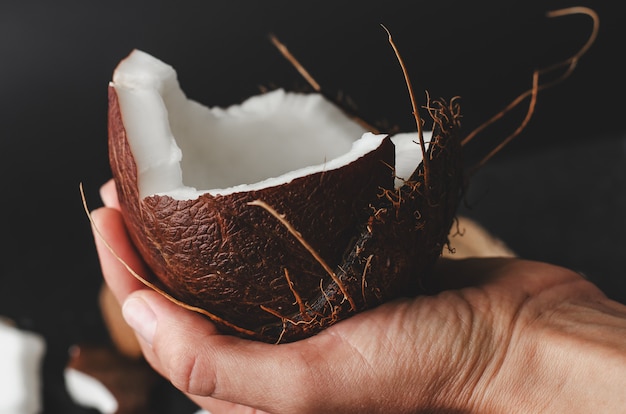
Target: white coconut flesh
184 149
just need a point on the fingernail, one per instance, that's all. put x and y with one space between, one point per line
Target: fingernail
105 197
140 317
108 194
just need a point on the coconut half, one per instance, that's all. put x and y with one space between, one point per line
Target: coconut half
279 216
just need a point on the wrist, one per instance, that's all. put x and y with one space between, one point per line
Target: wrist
571 360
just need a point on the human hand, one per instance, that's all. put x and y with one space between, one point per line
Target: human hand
506 335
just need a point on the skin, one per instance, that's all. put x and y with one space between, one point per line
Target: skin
503 335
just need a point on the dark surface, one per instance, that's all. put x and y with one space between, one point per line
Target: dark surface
557 193
562 205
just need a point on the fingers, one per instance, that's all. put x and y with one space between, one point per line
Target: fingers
528 277
116 253
461 273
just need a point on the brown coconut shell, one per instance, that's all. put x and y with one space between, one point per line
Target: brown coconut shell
285 262
367 242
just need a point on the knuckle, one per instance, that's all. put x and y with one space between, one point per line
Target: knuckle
190 372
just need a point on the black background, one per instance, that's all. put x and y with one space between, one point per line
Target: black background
557 193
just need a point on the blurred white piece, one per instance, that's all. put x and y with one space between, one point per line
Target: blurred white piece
21 355
87 391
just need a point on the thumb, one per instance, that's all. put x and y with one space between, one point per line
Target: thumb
187 349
